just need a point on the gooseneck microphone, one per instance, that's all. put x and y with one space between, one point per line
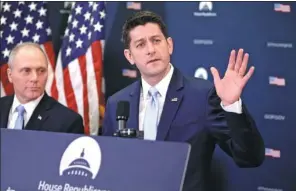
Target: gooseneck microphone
122 115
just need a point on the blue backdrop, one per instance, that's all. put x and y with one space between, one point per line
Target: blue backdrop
204 34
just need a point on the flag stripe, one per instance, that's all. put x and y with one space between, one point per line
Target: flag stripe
50 73
97 53
84 74
7 86
76 82
60 79
69 91
97 62
93 95
48 47
2 92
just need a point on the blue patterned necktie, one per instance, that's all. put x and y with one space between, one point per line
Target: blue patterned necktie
151 115
19 123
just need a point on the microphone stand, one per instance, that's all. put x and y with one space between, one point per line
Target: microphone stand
123 131
126 133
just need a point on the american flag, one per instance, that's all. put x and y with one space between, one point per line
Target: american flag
129 73
282 8
25 22
79 65
272 153
277 81
133 5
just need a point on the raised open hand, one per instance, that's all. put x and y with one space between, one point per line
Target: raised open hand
230 87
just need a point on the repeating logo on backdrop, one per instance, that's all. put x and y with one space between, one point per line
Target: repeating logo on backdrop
201 73
205 9
205 6
68 5
81 158
205 42
272 153
275 117
129 73
134 5
278 7
273 80
271 44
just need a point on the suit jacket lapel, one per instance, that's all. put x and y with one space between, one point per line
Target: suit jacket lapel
172 102
40 114
133 121
5 109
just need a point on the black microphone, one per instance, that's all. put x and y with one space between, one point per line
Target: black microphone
122 115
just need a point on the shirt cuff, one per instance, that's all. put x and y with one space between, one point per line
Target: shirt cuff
236 107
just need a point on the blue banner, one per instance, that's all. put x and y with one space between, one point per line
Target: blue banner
204 36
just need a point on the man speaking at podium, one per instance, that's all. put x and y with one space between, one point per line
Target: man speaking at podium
30 107
169 106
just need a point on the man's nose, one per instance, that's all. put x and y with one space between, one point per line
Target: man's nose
150 48
34 76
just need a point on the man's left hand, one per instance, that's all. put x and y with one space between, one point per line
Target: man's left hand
230 87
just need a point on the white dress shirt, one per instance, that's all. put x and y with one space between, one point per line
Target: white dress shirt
29 109
162 87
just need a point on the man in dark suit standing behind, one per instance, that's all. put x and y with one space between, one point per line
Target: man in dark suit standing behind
169 106
30 108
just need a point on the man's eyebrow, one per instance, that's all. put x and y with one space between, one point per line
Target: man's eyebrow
157 35
138 40
142 39
41 67
25 67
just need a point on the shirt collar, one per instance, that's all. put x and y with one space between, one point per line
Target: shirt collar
161 86
29 107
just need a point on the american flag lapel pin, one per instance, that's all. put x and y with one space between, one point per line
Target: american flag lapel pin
174 99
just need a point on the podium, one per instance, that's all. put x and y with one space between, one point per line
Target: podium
47 161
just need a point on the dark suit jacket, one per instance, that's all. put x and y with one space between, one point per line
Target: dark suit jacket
196 118
55 117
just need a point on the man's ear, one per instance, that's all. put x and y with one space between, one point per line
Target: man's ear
128 56
9 75
170 45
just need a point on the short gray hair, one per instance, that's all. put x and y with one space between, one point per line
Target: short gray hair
20 46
